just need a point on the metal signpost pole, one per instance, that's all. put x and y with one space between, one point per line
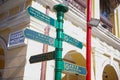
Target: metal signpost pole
60 9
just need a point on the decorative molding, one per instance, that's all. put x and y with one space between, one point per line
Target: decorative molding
3 43
100 32
10 4
99 50
74 16
107 37
15 20
118 60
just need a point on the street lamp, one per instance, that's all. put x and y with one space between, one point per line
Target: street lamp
94 22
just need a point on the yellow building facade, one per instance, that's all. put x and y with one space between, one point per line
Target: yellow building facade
16 50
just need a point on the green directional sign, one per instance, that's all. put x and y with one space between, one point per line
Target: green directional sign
72 41
42 57
39 37
75 69
41 16
45 18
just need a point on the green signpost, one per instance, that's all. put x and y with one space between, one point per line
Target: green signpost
49 40
45 18
73 68
60 10
60 65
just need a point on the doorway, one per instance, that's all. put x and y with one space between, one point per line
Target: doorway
75 58
109 73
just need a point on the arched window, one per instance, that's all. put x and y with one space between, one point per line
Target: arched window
76 58
109 73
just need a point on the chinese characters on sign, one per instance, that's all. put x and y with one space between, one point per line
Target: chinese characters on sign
16 39
39 37
73 68
41 16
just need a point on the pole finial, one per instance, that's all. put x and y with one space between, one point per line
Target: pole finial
60 7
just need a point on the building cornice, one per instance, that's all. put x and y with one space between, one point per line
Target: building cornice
107 37
75 16
79 19
15 20
10 4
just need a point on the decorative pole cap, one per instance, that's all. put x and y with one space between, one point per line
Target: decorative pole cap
60 8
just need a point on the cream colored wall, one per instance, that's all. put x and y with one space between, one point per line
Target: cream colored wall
14 58
100 49
14 63
17 59
105 55
119 21
95 8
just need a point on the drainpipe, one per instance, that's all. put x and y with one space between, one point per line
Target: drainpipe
88 42
45 49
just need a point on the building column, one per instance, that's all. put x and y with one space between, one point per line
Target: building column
117 21
96 9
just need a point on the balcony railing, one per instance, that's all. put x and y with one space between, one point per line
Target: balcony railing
106 23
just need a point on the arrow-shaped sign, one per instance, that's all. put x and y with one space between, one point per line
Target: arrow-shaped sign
73 68
49 40
72 41
45 18
42 57
41 16
39 37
